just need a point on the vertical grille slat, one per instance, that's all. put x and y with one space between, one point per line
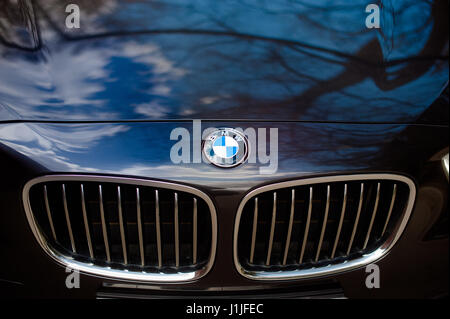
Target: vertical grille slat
139 225
289 233
391 207
104 230
341 220
69 225
194 231
124 228
158 229
177 231
308 221
358 213
324 224
49 214
86 223
335 222
254 229
272 228
374 213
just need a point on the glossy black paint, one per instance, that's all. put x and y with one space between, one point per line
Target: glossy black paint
143 149
104 99
241 60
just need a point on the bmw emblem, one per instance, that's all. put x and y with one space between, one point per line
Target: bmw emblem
226 147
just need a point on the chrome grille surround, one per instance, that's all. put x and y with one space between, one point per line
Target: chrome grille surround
106 271
329 269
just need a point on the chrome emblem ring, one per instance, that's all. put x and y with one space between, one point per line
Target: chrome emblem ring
225 147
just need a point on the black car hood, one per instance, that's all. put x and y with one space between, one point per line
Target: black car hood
277 60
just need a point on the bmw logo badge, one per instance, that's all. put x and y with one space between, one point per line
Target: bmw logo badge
226 147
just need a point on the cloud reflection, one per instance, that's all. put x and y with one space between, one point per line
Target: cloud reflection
315 60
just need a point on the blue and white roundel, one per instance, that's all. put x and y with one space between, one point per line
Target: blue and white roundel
225 147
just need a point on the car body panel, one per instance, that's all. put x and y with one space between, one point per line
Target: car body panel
171 61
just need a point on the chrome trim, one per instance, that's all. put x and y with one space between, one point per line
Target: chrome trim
158 229
122 230
107 272
194 232
291 222
391 207
336 268
49 214
255 226
177 232
308 221
444 162
139 225
102 217
374 213
324 224
86 224
341 220
272 228
358 213
69 225
219 131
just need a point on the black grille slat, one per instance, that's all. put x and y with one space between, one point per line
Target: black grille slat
341 240
124 243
